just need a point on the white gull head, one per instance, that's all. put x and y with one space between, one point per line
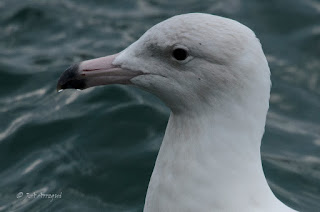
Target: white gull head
212 73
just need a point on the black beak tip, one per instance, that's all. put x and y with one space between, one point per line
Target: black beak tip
70 79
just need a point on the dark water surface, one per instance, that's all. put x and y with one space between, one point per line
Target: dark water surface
98 146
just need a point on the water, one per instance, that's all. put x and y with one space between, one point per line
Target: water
96 148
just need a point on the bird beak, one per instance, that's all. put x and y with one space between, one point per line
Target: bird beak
99 71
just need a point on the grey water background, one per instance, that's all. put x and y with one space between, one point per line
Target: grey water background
97 147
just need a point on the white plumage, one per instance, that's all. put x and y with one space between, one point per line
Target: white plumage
210 156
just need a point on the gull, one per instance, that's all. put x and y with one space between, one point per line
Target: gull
213 75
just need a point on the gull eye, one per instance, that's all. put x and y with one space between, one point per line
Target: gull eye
180 54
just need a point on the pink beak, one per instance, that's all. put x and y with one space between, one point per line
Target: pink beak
99 71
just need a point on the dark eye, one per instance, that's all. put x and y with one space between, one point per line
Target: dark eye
180 54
